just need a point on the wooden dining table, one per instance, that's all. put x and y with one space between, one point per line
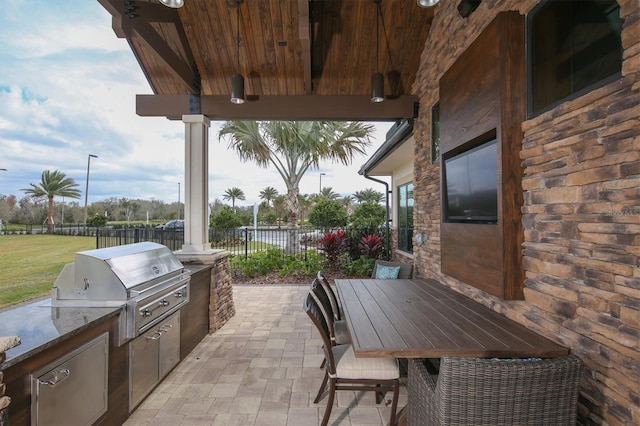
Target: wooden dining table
421 318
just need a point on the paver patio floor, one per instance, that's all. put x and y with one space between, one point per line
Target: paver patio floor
261 368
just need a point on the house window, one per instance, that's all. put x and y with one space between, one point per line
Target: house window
435 133
405 217
573 47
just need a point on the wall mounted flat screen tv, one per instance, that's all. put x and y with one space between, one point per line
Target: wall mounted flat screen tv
471 185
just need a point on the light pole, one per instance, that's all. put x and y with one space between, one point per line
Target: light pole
178 200
320 186
86 189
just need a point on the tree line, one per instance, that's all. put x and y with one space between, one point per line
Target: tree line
291 147
33 210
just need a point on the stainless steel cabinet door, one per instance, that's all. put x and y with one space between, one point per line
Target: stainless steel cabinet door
169 344
73 389
143 365
151 356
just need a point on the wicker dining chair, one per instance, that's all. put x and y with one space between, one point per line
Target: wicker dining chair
405 272
343 371
478 391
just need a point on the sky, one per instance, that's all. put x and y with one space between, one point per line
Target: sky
67 90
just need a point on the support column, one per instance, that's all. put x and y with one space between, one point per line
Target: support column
196 200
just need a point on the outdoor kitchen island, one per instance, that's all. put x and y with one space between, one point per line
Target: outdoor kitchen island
54 335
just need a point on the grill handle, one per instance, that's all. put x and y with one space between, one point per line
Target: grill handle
179 279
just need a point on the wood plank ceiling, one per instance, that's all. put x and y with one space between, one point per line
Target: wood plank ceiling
287 49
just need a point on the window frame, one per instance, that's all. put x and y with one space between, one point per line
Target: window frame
408 228
435 133
530 44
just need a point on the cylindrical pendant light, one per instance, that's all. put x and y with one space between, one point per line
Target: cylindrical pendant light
237 89
237 81
377 87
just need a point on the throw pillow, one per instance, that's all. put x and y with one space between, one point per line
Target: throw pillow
387 272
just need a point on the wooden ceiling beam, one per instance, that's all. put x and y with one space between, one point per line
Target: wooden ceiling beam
139 23
165 54
337 108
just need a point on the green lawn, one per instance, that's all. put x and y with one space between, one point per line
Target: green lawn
29 264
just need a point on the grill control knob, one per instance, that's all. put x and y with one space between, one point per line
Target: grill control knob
146 313
179 294
164 302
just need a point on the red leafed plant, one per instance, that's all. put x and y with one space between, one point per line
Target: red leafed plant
334 245
371 246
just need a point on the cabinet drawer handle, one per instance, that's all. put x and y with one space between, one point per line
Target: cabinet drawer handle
166 328
64 372
155 336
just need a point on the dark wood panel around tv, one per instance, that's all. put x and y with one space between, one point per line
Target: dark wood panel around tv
484 91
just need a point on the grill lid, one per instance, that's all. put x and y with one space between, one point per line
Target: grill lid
135 264
110 273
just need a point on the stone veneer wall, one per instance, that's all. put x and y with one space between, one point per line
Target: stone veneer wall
6 343
581 214
4 400
397 255
221 306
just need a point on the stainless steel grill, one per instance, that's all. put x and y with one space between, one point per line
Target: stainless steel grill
146 279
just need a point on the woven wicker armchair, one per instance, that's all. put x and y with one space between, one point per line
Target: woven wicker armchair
406 269
476 391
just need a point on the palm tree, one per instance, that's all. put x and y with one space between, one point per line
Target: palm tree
368 194
52 184
293 147
268 194
347 200
327 192
233 194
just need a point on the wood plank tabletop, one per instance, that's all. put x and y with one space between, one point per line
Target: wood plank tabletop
423 319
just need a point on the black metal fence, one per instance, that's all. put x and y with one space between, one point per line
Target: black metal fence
111 237
241 241
65 229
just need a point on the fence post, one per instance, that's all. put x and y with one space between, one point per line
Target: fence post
246 243
306 257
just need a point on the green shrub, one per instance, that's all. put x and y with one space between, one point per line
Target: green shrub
225 219
300 264
327 214
97 221
368 215
362 267
259 263
303 263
